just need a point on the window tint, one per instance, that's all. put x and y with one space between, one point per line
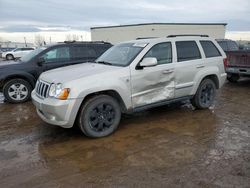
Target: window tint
26 49
57 54
101 49
187 50
162 52
223 45
17 50
83 52
232 46
210 49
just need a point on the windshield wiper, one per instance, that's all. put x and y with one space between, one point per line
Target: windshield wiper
104 62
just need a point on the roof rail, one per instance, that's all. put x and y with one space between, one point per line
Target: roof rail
141 38
88 42
187 35
69 41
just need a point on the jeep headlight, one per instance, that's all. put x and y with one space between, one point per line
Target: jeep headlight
57 91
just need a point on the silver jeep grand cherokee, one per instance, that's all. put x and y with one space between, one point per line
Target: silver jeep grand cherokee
129 77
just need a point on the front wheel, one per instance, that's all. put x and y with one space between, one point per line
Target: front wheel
9 57
205 95
17 91
99 116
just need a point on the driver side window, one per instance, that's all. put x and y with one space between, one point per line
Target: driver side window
57 54
162 52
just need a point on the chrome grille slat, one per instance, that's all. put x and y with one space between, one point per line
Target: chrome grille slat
42 89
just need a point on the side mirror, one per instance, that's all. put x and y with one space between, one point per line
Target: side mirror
40 61
148 62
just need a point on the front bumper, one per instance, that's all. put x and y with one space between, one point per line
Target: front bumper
57 112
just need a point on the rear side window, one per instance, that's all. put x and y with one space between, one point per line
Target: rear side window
162 52
187 50
83 52
210 49
232 46
26 49
100 49
223 45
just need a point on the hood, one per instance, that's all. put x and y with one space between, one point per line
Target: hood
9 64
69 73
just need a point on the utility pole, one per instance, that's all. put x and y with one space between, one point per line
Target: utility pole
25 41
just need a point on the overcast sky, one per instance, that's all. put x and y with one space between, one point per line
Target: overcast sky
77 15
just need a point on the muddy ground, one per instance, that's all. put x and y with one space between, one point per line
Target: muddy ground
171 146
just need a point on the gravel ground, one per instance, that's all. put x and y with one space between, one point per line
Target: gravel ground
171 146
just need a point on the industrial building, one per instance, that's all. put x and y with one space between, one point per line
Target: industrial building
116 34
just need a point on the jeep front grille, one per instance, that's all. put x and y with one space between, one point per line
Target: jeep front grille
42 89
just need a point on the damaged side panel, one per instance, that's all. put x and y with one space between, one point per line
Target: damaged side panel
152 85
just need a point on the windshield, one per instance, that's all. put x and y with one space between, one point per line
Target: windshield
32 54
121 54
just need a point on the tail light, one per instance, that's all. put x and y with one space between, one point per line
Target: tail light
225 62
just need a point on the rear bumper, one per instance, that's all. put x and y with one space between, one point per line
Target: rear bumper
223 78
238 70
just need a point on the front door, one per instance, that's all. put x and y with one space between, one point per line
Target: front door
154 84
57 57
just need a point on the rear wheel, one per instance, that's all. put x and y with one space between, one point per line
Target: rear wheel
17 91
233 77
99 116
9 57
205 94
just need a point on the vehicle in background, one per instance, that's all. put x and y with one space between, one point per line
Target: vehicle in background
16 53
130 77
228 45
238 61
5 50
18 78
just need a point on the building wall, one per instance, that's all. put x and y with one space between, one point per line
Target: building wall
125 33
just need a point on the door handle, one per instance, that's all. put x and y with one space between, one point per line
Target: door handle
200 66
168 71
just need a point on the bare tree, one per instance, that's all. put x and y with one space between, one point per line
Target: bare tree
39 40
72 37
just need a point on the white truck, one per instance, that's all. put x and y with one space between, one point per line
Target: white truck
129 77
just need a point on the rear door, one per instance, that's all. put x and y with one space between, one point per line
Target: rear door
188 58
82 53
18 53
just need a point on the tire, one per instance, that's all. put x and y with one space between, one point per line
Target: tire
17 91
99 116
233 78
9 57
205 95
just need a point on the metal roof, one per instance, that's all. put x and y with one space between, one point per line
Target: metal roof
144 24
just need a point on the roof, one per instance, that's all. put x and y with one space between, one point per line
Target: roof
144 24
168 38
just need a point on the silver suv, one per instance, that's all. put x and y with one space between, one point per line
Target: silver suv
131 76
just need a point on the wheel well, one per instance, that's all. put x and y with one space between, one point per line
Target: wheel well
214 78
18 77
9 54
111 93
